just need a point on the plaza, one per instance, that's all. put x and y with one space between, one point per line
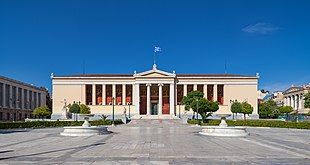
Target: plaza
154 142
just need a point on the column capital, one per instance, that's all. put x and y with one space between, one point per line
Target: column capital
148 84
160 84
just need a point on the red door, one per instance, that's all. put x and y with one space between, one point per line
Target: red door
166 106
142 105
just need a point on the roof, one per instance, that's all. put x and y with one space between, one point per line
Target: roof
23 83
177 75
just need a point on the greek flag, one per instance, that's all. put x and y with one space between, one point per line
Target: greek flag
157 49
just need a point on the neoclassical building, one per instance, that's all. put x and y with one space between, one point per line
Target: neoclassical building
294 97
19 99
150 94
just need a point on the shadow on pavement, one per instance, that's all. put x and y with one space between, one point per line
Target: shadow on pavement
47 152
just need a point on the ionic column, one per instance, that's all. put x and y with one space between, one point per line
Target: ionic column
171 97
160 99
184 89
136 98
114 93
205 91
124 94
148 99
94 94
104 94
195 87
215 92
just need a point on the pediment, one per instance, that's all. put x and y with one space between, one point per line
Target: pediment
292 89
155 73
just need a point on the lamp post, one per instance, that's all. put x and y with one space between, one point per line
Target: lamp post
197 108
113 111
129 109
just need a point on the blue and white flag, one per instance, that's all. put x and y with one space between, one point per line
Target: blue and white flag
157 49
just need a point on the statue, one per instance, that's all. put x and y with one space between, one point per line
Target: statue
64 111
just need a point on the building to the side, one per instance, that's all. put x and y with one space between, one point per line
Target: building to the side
294 97
19 99
153 93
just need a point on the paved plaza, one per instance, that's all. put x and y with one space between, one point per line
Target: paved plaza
155 142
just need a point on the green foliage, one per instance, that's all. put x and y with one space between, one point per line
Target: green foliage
268 109
195 100
286 109
74 108
246 109
43 124
84 109
42 112
258 123
307 100
236 107
190 98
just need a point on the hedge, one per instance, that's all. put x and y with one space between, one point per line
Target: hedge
257 123
44 124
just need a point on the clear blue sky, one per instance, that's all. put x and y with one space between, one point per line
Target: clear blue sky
111 36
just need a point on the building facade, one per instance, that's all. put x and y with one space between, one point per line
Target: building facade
150 94
294 97
19 99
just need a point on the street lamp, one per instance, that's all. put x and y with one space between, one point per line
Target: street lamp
128 103
113 111
179 103
197 108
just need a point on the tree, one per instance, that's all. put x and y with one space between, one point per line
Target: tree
268 109
42 112
246 109
191 98
307 100
286 110
236 107
84 109
74 108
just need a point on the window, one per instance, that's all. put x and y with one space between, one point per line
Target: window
39 99
129 94
7 95
19 103
119 94
210 92
1 95
89 93
8 116
25 99
35 99
180 93
98 94
190 88
220 94
1 117
13 97
30 100
200 88
108 93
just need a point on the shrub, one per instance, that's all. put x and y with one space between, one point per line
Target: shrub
42 112
84 109
74 108
258 123
43 124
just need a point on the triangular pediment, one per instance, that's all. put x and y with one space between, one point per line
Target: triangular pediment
154 73
292 89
